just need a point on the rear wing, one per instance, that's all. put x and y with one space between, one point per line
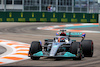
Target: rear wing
74 34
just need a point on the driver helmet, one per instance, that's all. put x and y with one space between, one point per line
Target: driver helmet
61 39
63 34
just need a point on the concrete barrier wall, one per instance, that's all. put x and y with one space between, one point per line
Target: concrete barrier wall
48 17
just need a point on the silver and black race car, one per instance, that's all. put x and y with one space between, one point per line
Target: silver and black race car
61 46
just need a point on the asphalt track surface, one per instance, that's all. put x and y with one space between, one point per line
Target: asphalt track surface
2 49
27 32
89 28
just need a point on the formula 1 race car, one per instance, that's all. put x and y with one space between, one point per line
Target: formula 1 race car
62 47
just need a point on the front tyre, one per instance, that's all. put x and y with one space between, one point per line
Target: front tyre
35 58
76 49
35 47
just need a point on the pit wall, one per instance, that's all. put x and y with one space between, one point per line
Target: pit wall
48 17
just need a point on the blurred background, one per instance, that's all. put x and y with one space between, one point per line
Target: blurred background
80 6
50 11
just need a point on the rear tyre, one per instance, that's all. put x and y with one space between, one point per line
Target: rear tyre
35 47
88 48
76 49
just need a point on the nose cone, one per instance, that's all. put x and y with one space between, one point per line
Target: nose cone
54 49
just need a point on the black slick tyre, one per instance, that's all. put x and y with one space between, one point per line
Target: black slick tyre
76 49
88 48
35 47
35 58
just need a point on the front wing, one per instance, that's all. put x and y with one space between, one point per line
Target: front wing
63 55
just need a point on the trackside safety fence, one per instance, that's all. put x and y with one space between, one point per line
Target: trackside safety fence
48 17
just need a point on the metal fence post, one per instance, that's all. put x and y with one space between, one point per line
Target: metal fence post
4 5
73 5
99 20
80 6
87 6
56 5
23 5
40 5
